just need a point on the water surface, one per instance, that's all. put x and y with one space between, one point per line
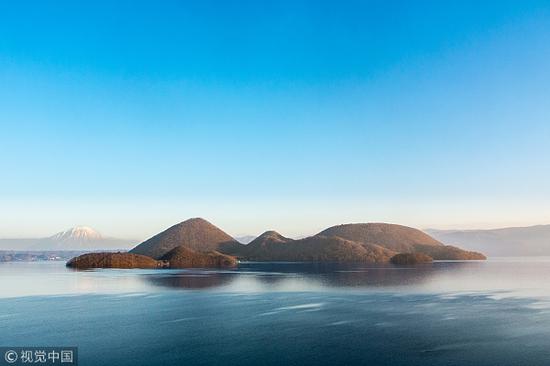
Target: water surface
445 313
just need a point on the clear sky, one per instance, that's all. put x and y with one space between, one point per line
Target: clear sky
131 116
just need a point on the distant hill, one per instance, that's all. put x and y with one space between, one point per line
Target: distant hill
513 241
197 234
272 246
17 244
75 239
394 237
400 239
245 239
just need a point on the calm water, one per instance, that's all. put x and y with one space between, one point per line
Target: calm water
446 313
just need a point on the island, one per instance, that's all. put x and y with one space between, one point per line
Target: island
113 260
198 243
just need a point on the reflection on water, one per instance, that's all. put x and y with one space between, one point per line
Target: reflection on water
301 276
274 314
190 280
515 276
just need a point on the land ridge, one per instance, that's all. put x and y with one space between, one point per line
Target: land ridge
198 243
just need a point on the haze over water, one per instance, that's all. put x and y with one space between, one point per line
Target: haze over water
482 313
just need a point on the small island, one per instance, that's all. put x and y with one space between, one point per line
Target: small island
180 257
113 260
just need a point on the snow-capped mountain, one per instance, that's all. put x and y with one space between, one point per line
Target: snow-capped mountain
76 238
78 233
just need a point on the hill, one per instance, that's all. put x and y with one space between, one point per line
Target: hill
113 260
400 239
183 257
272 246
196 234
394 237
512 241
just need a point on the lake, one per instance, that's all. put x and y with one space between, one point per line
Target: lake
495 312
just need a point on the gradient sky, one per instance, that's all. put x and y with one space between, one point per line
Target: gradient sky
131 116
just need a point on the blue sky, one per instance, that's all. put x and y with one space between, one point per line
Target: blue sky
287 115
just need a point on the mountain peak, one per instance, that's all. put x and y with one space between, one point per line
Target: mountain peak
270 236
196 234
398 238
83 233
196 220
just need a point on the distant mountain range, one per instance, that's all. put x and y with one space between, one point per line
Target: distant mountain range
512 241
245 239
194 233
76 238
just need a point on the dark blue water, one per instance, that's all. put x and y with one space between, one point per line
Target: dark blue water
446 313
